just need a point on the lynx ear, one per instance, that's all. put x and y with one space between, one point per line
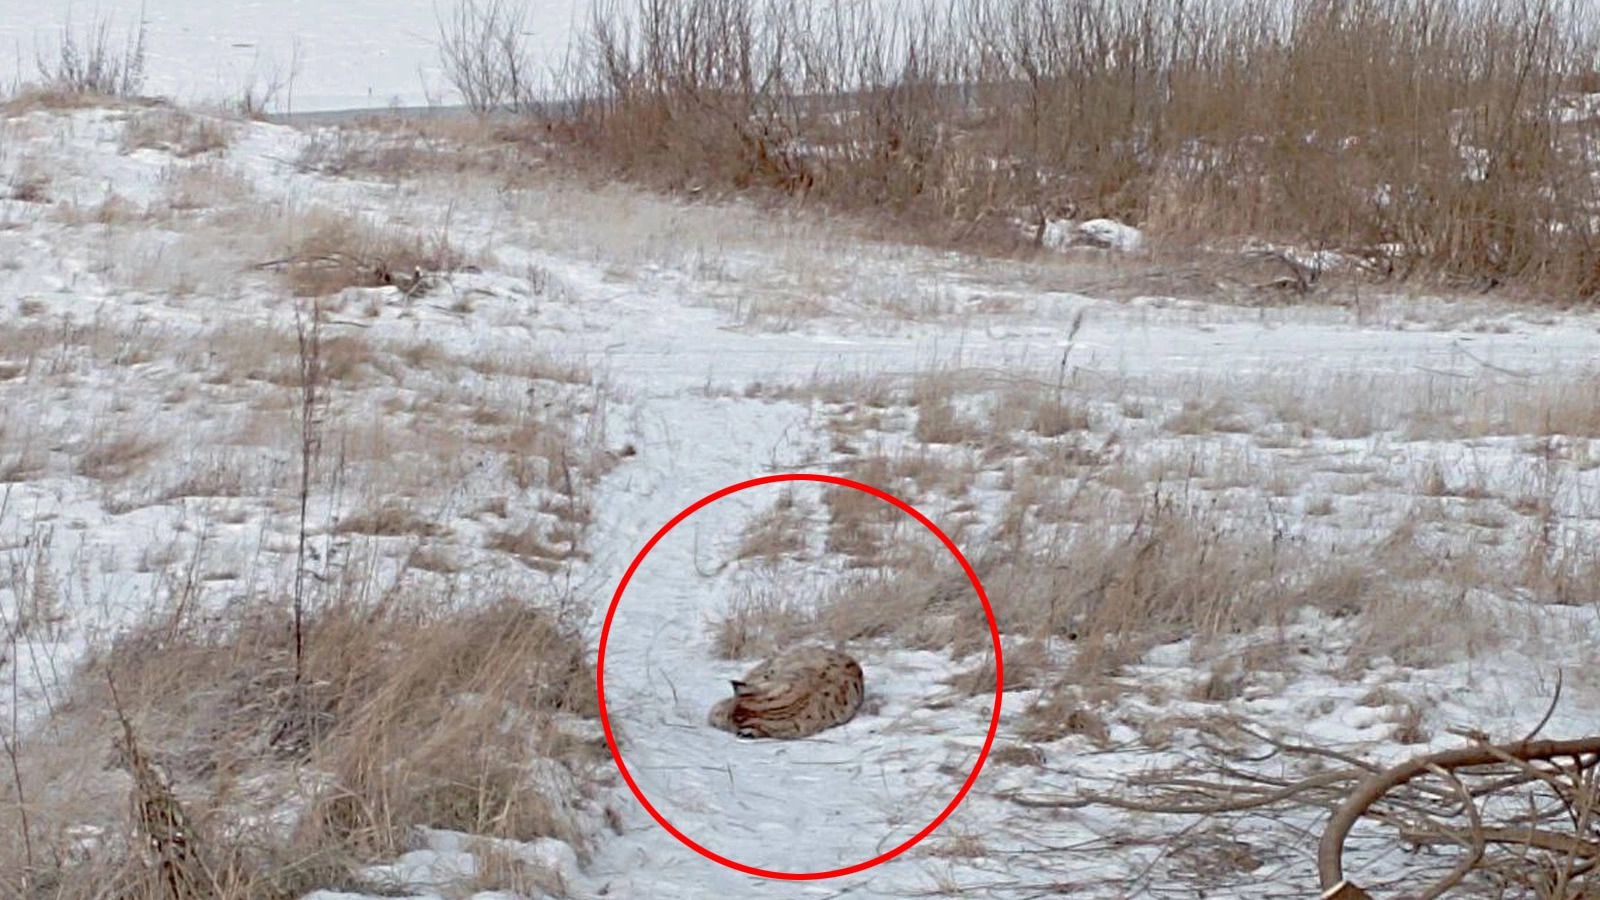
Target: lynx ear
740 689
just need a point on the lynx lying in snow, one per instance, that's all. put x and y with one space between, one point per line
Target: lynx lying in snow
793 695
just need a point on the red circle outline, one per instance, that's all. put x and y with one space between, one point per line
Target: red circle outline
994 634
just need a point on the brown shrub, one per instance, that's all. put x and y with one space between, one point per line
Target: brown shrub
329 252
1417 138
410 713
183 134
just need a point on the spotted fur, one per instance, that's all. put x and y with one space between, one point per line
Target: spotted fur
793 695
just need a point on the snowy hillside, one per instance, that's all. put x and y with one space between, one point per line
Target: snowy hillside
427 385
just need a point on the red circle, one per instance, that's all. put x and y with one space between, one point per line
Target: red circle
994 634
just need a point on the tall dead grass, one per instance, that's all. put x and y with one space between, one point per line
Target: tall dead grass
329 252
1428 137
88 62
183 134
410 712
1101 532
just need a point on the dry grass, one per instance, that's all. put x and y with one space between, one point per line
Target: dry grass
391 517
412 710
410 713
547 549
761 621
860 525
960 845
175 131
394 149
29 182
328 252
1061 716
940 420
35 97
205 185
777 534
116 456
1104 535
501 868
1414 138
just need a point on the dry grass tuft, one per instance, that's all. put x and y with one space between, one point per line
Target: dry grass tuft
175 131
208 184
547 549
760 622
29 182
329 252
960 845
859 524
115 456
501 869
940 420
1057 417
1060 716
777 534
409 713
48 97
391 518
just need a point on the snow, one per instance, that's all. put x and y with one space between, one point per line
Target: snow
1111 233
1106 234
346 55
450 858
684 308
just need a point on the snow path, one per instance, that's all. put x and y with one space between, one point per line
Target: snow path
853 792
803 806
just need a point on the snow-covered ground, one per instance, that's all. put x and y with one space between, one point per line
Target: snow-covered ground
136 318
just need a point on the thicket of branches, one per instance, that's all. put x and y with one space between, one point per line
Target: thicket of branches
1424 136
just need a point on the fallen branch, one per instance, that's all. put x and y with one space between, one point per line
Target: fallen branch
1330 853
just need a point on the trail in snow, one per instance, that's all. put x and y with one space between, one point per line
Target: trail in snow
820 804
856 791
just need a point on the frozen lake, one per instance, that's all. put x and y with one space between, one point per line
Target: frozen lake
352 54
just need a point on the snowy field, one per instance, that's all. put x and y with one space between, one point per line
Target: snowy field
1364 521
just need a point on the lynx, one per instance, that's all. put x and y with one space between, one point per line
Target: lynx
793 695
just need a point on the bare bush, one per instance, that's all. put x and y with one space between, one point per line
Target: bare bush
1413 138
90 63
260 95
484 48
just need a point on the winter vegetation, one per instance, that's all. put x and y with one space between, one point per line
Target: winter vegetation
1246 350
